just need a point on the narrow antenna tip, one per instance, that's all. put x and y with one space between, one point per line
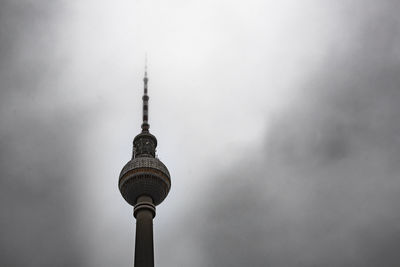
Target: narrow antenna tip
145 65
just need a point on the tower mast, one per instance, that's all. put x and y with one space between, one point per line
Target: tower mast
144 183
145 124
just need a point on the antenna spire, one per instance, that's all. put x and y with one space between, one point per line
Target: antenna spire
145 65
145 124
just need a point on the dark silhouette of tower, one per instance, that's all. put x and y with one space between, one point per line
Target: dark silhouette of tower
144 183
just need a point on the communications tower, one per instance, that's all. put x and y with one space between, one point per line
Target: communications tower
144 183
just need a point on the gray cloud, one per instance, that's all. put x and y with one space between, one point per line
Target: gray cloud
320 189
37 145
324 190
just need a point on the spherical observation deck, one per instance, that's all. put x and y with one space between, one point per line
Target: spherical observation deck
144 176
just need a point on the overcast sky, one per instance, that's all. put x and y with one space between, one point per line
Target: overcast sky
278 120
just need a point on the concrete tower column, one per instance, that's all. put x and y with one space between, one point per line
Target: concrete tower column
144 213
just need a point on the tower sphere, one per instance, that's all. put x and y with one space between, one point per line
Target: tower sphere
144 176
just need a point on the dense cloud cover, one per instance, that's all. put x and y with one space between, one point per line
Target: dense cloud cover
324 188
324 191
321 188
36 144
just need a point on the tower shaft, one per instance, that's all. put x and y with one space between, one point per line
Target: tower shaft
144 249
